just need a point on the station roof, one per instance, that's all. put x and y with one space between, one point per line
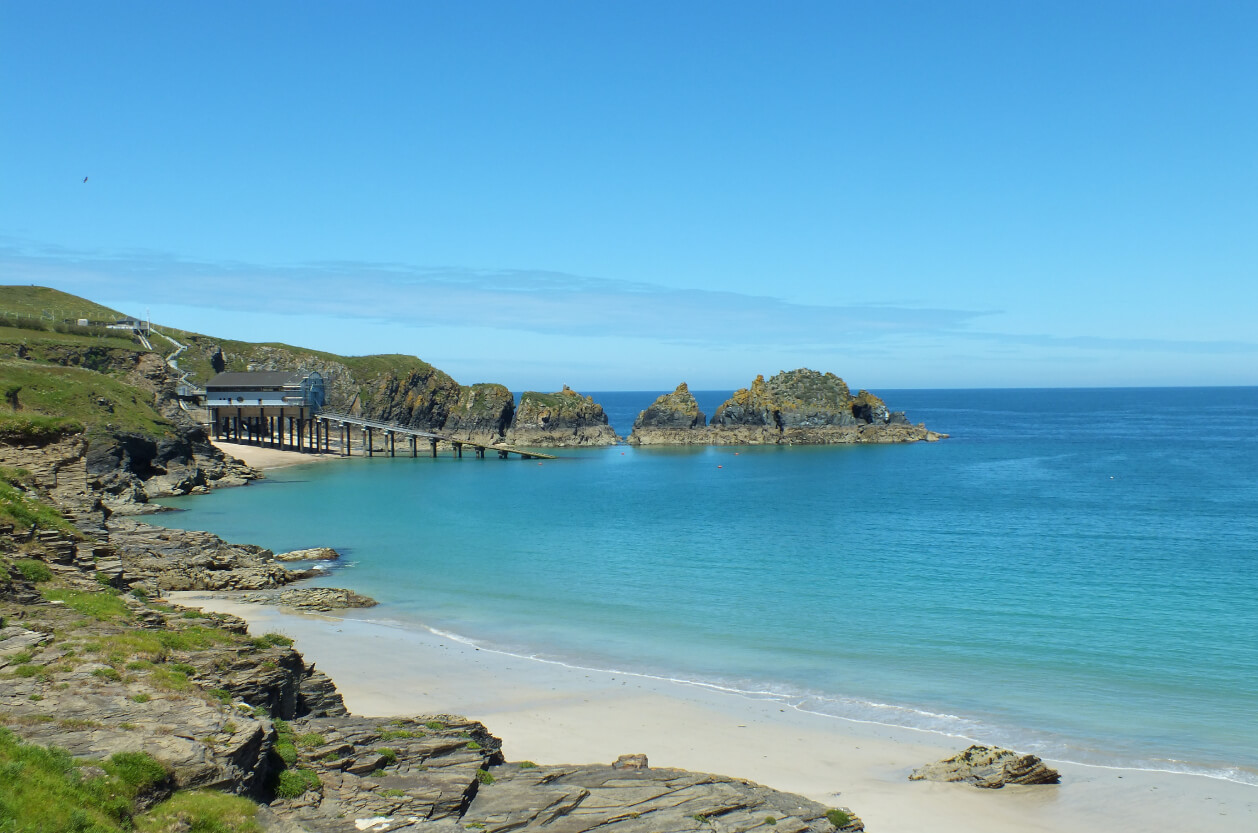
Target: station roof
271 379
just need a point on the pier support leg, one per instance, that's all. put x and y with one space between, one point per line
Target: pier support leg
434 448
371 444
414 445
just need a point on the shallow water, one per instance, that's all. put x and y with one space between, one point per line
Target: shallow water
1074 573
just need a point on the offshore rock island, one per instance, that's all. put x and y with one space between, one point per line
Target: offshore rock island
797 407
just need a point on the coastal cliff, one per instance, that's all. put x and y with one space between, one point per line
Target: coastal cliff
797 407
565 418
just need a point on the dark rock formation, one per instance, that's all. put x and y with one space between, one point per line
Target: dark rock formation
805 407
990 767
133 468
565 418
419 399
672 419
482 414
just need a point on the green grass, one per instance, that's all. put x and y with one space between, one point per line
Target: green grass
294 782
33 571
23 508
201 811
94 400
483 776
32 428
103 605
837 817
42 790
312 740
52 304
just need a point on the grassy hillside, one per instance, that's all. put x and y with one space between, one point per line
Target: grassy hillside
32 327
98 401
51 305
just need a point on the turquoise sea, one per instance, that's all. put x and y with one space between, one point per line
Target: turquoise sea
1074 573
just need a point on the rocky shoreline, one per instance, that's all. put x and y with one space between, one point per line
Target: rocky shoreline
96 663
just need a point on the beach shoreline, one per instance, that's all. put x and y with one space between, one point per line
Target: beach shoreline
266 459
554 714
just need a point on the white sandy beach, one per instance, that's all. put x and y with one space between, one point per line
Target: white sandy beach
555 714
269 458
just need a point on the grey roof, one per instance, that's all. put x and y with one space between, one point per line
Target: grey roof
266 379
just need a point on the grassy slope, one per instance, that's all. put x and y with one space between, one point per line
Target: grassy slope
51 304
96 352
96 400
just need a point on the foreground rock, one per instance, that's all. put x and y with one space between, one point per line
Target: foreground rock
990 767
560 419
575 799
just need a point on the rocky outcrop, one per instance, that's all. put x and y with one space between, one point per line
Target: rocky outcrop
672 419
804 407
638 799
159 560
418 773
990 767
312 598
131 469
421 398
482 414
565 418
311 554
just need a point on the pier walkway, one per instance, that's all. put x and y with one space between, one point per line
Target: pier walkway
391 431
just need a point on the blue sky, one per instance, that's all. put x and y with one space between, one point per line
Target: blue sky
628 195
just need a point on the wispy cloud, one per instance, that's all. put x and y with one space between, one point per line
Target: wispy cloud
536 301
528 300
1102 343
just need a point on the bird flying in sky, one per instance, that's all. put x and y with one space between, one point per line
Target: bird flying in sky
85 179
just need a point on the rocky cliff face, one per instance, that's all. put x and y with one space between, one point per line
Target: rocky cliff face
565 418
482 414
419 399
672 419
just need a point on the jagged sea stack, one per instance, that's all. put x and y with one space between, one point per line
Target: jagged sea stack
672 419
804 407
559 419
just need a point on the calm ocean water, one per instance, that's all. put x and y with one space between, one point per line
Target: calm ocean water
1074 573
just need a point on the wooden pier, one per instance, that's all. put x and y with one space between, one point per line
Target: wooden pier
391 431
316 434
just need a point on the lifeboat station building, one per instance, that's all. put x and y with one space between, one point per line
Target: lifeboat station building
262 408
